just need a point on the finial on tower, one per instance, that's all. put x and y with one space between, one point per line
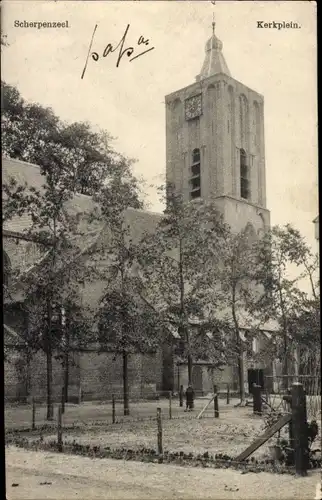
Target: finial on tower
214 62
213 23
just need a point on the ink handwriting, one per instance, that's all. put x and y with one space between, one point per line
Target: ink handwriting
128 51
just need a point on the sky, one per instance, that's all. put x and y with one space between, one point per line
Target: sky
128 101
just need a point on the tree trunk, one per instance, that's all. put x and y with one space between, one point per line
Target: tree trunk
285 368
49 363
66 365
50 406
66 376
241 377
190 368
125 384
240 352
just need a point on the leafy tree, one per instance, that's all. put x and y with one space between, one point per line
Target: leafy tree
55 278
237 284
126 322
84 158
176 264
284 264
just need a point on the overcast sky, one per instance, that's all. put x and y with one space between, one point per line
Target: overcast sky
128 101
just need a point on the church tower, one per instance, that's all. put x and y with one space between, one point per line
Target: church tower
215 143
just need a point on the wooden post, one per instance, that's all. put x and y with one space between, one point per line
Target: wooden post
288 399
170 405
113 409
63 399
299 429
181 396
160 449
59 429
291 440
33 421
79 395
216 408
228 394
257 399
205 407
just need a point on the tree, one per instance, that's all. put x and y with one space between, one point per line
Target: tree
176 264
85 159
284 264
55 278
126 322
238 286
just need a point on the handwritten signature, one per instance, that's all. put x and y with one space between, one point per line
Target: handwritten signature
120 47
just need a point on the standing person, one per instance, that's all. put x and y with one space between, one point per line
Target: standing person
190 395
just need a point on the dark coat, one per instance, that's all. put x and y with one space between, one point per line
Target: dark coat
190 394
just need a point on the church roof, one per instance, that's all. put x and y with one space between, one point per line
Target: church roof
28 173
214 62
89 231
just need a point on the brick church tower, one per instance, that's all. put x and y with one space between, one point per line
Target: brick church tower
215 143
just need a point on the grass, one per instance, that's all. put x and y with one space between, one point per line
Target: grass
231 433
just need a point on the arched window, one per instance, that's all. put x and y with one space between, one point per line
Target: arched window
195 180
243 118
6 264
244 176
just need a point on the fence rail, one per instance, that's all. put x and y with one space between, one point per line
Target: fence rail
279 385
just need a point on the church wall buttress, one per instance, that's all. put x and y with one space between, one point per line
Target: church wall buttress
219 141
256 173
174 143
262 189
231 131
210 116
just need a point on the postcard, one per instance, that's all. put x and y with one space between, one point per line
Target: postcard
160 249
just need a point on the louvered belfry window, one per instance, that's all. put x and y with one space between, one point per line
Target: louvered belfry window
195 179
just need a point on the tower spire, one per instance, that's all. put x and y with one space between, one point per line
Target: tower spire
214 62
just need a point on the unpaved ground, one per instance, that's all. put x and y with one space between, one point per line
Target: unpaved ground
75 477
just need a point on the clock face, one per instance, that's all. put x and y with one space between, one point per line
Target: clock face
193 107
